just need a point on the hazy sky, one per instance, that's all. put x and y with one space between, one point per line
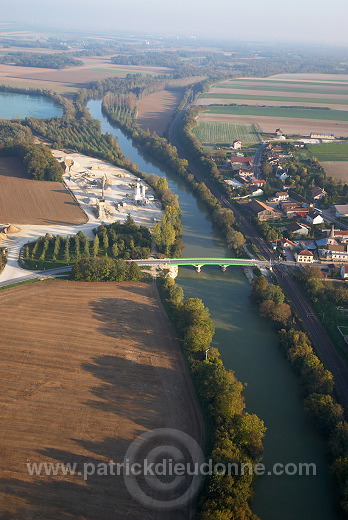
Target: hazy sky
287 20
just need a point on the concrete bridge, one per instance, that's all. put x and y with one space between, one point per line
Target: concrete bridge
198 263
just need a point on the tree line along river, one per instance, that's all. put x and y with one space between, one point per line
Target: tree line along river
247 343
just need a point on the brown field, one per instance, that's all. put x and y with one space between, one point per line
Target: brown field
337 169
260 93
26 201
69 79
156 110
260 102
85 368
292 84
289 125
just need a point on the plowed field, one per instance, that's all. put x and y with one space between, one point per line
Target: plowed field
85 368
26 201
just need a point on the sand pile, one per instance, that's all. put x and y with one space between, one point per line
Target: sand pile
11 229
3 236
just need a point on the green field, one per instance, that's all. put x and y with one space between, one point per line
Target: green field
274 87
330 152
301 113
214 132
298 100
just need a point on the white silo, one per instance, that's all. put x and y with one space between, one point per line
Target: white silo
143 192
137 194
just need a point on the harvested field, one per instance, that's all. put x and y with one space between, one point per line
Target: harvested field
155 111
72 78
257 102
79 386
288 125
336 169
27 201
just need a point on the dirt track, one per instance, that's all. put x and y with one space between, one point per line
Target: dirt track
26 201
85 367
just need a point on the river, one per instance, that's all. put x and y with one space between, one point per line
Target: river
249 346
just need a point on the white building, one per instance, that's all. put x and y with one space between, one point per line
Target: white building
314 218
305 256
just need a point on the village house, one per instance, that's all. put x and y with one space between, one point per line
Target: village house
305 256
237 144
254 191
288 244
314 218
279 132
261 210
280 196
317 193
282 174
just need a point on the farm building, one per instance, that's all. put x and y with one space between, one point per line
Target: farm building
261 211
314 135
341 210
297 229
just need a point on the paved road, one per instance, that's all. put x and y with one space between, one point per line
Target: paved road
32 275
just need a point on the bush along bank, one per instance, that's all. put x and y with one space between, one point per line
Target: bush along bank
317 383
235 435
166 154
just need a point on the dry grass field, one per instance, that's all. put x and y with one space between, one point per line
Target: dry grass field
26 201
72 78
289 125
156 110
337 169
85 368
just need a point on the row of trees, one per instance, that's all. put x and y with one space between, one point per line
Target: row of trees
236 436
119 241
106 269
317 383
